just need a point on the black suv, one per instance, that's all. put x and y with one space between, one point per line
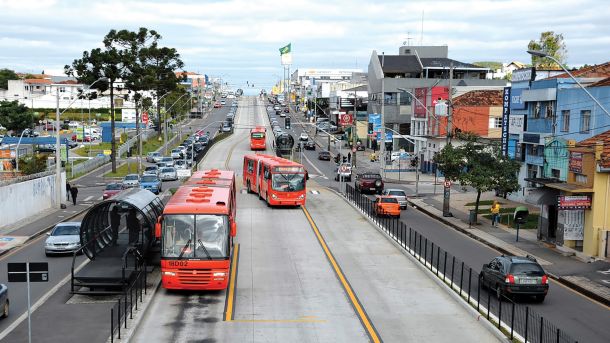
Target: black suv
369 182
515 275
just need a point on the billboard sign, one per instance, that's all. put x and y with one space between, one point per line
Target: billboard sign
505 120
575 163
573 202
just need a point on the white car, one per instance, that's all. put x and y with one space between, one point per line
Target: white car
131 180
176 153
169 161
168 174
64 238
399 155
399 194
304 137
151 170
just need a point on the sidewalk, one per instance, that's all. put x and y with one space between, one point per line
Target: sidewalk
27 230
567 266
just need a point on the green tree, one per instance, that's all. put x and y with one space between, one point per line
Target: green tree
32 164
15 116
479 166
489 64
553 45
106 62
5 75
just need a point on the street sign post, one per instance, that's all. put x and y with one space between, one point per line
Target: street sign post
446 196
28 272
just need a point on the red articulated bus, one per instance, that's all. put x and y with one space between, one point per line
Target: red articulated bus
257 138
196 231
277 180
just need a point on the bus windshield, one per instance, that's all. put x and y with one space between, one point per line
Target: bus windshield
195 236
258 135
288 182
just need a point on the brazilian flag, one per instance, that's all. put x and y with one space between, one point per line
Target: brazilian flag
285 49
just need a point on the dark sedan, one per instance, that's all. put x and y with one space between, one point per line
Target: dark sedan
515 275
324 155
310 145
4 300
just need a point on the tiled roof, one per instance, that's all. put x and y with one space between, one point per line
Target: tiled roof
601 83
591 142
40 81
400 64
598 70
479 98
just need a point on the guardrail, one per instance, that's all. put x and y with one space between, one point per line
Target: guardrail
127 303
90 164
518 322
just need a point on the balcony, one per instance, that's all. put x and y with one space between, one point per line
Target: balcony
534 159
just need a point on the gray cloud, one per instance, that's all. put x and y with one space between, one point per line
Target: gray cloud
240 39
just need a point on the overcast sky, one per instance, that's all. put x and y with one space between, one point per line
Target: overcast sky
239 39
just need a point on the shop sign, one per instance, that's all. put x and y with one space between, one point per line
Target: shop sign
573 202
575 164
573 224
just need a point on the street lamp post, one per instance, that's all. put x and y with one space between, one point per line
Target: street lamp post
58 186
165 122
544 54
17 152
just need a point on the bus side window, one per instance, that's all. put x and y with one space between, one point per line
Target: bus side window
250 166
267 176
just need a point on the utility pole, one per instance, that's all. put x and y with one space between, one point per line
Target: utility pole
447 184
354 127
382 141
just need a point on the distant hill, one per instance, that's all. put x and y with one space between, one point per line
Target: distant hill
489 64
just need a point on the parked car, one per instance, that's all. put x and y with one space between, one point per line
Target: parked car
304 137
112 189
369 182
399 194
515 275
310 145
324 155
168 174
63 239
151 183
151 170
131 180
176 153
153 157
396 155
344 172
4 300
169 161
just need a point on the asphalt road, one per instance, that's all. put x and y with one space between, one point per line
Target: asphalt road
584 319
91 187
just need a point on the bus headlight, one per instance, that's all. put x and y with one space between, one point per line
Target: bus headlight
169 273
219 274
274 196
302 196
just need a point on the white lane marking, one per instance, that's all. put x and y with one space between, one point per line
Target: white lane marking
88 198
313 165
313 191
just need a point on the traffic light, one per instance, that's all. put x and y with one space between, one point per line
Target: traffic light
414 161
370 128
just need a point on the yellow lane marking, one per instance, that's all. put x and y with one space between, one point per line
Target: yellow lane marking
230 301
364 319
307 319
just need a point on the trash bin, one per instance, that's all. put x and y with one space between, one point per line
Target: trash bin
472 217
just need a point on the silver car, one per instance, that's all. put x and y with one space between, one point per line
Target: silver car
153 157
64 238
169 162
131 180
177 153
151 170
399 194
168 174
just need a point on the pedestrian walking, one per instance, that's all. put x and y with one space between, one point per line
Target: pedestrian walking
115 222
68 188
74 193
495 213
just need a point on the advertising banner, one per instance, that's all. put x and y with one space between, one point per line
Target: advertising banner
573 202
421 94
505 120
575 163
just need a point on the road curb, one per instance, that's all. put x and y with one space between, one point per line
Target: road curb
575 287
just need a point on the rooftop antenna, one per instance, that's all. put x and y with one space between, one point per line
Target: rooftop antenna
408 39
421 34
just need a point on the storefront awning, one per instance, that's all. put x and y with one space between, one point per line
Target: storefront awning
542 196
570 187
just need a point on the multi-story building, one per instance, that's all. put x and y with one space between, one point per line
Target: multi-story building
423 72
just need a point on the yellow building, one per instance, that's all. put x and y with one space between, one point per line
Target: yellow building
584 201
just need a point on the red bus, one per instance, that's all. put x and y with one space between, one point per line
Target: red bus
277 180
197 230
257 138
224 178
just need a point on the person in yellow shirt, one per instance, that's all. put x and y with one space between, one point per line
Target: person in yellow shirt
495 213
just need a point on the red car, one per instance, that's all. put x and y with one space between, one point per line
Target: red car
217 105
49 127
112 189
